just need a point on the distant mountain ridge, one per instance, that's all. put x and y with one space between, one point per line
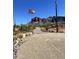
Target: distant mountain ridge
50 19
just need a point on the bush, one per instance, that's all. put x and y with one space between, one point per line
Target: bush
14 33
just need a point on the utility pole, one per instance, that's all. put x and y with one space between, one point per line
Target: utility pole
56 15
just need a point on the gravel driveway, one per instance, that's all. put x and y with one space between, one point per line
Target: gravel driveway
43 46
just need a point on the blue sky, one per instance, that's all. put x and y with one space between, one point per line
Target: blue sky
43 8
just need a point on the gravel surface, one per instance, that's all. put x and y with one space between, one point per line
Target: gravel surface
43 46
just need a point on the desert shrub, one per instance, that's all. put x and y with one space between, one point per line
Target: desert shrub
14 40
26 28
30 27
14 33
23 27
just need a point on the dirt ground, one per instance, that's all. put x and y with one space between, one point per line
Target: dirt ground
43 46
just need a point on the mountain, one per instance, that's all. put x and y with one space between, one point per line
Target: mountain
50 19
